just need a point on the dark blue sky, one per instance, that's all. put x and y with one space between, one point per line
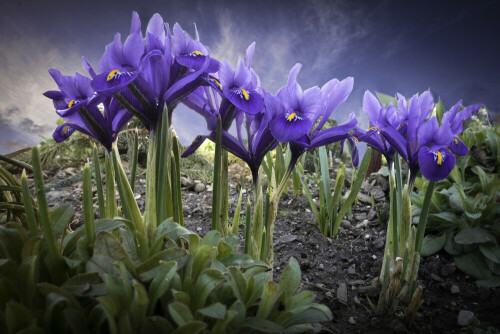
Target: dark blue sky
450 47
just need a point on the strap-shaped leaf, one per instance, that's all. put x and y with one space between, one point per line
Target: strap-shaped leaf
290 278
180 313
208 280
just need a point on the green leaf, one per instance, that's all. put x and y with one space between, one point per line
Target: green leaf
60 218
445 217
492 282
475 235
238 283
290 279
161 283
491 251
202 258
387 99
193 327
432 244
180 313
312 313
139 305
269 299
17 317
86 284
439 111
237 260
70 240
300 299
224 250
473 264
150 268
233 241
208 280
214 311
106 244
258 324
212 238
156 324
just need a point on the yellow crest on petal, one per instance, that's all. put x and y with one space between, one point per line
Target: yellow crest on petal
245 94
112 74
291 117
71 104
456 140
197 53
374 128
440 158
217 82
357 141
65 130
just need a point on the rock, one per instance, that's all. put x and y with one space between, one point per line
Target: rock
363 224
305 265
455 289
345 224
351 321
364 198
465 318
371 214
209 189
382 182
342 293
321 266
379 243
436 277
447 269
286 238
198 229
356 301
199 187
186 182
352 270
57 195
370 290
360 216
328 294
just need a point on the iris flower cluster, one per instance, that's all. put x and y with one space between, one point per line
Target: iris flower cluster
150 73
415 134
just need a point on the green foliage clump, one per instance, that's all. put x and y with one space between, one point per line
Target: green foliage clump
465 208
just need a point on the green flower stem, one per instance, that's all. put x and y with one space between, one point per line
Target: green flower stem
236 219
129 204
110 188
43 209
248 228
28 206
160 176
216 194
88 206
424 214
175 168
225 191
135 156
98 182
150 209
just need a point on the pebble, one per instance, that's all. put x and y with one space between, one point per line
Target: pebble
455 289
356 301
321 266
342 293
198 229
199 187
345 224
351 270
351 321
363 224
379 243
328 294
286 238
465 318
436 277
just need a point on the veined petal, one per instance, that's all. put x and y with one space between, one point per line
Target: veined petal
292 77
310 106
194 146
333 134
458 147
133 50
156 27
250 102
427 131
63 132
435 165
108 83
249 53
372 107
396 140
284 128
333 93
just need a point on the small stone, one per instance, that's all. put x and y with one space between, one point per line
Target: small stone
345 224
286 238
137 196
371 214
382 182
455 289
368 236
356 301
363 224
304 266
186 182
198 229
379 243
342 293
328 294
199 187
447 269
364 198
374 257
465 318
352 270
321 266
436 277
351 321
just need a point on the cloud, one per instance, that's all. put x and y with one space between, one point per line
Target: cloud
24 67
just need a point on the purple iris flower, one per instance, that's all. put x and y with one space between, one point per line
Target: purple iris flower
241 101
417 137
78 105
143 75
295 112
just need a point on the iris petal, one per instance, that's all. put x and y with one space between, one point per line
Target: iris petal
435 165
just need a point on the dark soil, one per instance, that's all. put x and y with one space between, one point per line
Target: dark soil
349 262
